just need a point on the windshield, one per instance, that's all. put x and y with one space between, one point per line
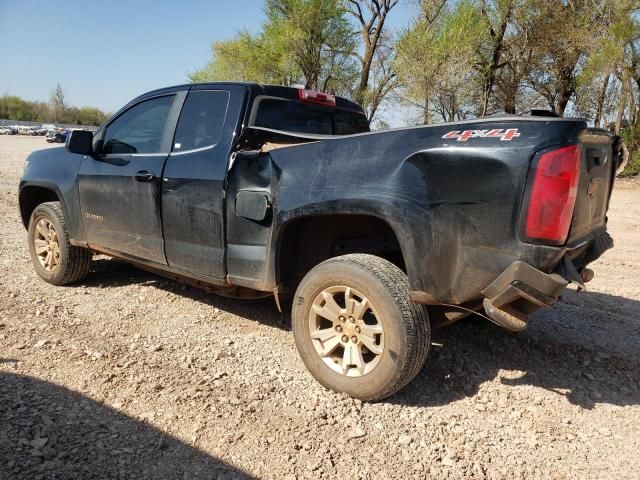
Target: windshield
294 116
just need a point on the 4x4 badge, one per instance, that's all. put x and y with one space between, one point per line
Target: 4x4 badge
502 134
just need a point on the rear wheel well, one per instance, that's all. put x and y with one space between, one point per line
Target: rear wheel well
308 241
31 197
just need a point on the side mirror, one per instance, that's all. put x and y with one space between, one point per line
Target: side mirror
79 141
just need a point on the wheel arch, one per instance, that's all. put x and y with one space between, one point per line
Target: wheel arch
32 195
307 240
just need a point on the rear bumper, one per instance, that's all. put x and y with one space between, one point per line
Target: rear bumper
519 291
522 289
522 281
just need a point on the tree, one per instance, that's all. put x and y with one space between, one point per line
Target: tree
436 58
519 56
302 41
247 58
371 16
15 108
496 15
83 116
58 101
382 81
567 35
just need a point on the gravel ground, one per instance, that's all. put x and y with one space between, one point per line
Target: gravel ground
128 375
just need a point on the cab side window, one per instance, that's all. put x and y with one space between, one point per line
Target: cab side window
139 129
201 120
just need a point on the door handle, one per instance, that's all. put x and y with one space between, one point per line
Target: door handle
144 176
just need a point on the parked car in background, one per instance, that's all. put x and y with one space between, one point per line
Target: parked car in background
8 130
56 137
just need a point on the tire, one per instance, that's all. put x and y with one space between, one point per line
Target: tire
73 263
392 336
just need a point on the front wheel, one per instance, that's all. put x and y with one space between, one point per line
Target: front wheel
356 328
55 260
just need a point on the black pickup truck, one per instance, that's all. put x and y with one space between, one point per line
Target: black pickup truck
376 237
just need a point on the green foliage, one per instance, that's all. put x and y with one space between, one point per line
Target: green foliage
457 59
607 50
82 116
302 41
436 57
15 108
245 58
631 138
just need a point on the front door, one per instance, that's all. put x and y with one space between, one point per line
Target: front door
120 185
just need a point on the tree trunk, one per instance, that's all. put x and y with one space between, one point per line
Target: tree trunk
452 107
510 101
566 85
486 92
621 106
564 95
367 60
492 68
632 102
425 113
372 37
600 103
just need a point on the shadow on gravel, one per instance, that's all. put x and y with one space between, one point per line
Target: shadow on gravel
114 273
586 349
48 431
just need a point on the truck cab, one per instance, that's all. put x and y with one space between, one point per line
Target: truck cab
154 186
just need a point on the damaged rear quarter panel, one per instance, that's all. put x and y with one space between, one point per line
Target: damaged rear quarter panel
454 208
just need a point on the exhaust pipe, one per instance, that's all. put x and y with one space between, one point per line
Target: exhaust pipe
586 274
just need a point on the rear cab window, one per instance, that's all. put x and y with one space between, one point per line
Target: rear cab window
201 120
294 116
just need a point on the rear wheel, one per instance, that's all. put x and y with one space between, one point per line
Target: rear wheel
55 260
356 328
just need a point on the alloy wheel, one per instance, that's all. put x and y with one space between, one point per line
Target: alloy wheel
47 245
346 331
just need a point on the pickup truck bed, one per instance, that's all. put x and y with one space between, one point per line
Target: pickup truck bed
454 207
293 195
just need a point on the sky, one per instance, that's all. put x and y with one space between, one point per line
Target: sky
105 53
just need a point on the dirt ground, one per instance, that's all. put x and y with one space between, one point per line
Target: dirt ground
128 375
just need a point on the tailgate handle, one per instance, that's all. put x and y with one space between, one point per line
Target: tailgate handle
594 159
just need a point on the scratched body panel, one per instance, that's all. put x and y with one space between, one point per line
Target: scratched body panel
452 195
446 201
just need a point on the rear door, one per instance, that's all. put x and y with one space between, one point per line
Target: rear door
119 186
193 184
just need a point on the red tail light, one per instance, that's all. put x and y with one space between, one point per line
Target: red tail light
311 96
553 195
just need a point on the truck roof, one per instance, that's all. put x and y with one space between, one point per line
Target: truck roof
258 89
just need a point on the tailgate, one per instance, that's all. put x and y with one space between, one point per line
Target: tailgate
599 161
